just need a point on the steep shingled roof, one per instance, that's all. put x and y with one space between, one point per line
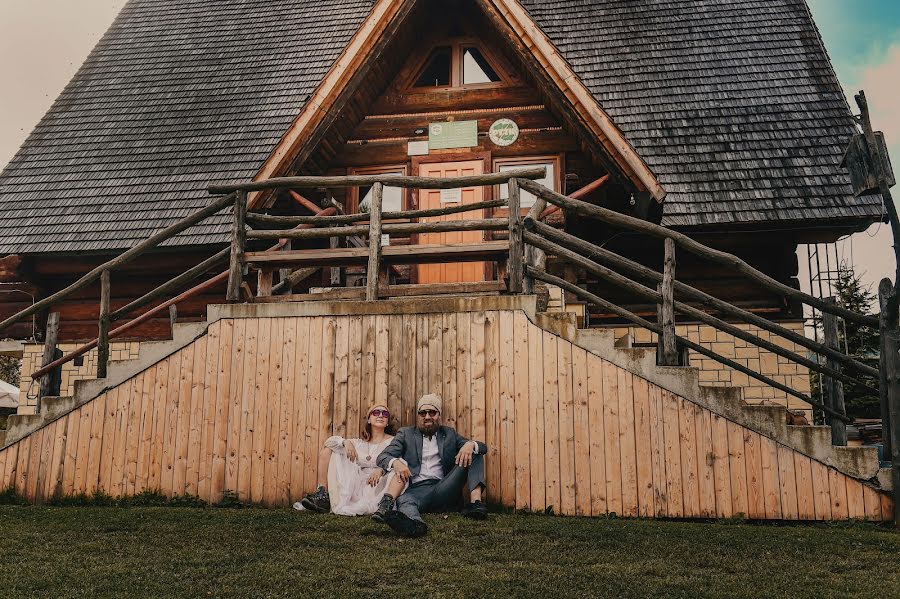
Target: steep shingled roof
732 103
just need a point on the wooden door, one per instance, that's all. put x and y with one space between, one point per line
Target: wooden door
459 272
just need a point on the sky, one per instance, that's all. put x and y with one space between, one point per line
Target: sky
43 42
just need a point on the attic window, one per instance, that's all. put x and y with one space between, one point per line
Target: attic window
475 68
437 70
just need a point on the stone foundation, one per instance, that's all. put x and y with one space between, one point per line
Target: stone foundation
31 361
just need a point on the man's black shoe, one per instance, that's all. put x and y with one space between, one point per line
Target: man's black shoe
319 501
475 510
405 526
384 506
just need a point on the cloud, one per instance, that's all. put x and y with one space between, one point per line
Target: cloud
881 82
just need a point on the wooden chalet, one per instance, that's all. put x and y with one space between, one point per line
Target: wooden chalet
719 120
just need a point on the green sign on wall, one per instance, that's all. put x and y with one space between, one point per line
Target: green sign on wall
453 134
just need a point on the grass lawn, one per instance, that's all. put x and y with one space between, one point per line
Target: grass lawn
190 552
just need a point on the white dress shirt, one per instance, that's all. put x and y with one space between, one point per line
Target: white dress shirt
430 467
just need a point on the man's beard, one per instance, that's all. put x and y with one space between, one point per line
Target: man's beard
429 429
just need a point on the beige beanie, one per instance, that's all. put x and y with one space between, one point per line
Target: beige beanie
431 399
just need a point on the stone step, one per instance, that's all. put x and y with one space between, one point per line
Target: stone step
52 407
19 425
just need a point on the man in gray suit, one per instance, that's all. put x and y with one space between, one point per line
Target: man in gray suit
437 462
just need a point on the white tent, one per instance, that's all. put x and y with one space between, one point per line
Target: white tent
9 395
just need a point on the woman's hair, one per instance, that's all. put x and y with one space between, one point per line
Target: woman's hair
367 430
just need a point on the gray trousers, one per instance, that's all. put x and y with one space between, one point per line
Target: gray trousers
441 495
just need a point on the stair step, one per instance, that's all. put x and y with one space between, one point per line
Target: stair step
19 425
53 407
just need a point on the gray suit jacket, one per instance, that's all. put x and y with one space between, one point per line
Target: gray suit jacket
408 441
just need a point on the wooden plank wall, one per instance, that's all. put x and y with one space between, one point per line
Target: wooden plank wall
247 407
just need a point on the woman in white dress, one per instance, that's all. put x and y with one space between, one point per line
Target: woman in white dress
358 482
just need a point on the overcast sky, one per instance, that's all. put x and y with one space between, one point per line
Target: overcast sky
43 42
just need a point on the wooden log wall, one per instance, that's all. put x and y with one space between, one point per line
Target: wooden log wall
247 408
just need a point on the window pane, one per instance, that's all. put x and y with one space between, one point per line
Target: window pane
437 70
475 68
527 199
391 199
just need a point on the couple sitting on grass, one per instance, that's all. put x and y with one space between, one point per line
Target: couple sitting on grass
395 478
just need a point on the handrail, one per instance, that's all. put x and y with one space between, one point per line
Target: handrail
404 181
695 247
129 255
487 224
344 219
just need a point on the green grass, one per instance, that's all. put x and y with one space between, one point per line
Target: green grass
191 552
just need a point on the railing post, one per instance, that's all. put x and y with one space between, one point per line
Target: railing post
373 273
103 335
889 366
833 388
238 241
50 339
173 319
514 267
667 350
534 257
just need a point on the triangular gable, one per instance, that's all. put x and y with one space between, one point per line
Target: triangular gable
526 37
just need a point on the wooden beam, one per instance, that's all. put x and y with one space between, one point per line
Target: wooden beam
103 335
514 269
373 271
124 258
833 387
173 318
344 219
668 349
532 172
641 322
488 224
358 293
609 258
724 258
238 240
392 254
50 338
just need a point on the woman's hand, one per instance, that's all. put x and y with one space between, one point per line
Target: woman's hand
464 457
350 448
375 477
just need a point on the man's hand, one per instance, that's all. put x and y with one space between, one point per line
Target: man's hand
402 470
464 457
351 450
375 477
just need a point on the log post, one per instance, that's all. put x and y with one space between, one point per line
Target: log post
534 257
285 273
668 347
238 241
515 269
173 318
264 282
884 291
833 388
103 335
889 364
373 272
50 338
337 273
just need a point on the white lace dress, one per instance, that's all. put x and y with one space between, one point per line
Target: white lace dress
351 495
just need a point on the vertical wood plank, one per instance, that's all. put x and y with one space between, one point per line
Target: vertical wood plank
551 423
186 398
395 367
821 493
96 445
838 492
382 360
492 400
856 505
319 359
612 449
721 467
705 462
354 375
8 474
410 366
25 453
449 370
887 506
109 441
521 407
117 474
597 434
642 440
873 504
208 411
235 402
325 407
478 379
223 403
687 426
146 431
245 443
286 424
536 440
627 447
303 355
788 478
59 453
770 478
806 507
132 440
582 427
421 365
658 453
435 378
34 460
756 505
341 375
85 413
672 433
157 437
261 400
507 384
273 414
566 427
738 466
464 374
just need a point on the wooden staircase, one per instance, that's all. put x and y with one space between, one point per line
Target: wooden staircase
493 349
